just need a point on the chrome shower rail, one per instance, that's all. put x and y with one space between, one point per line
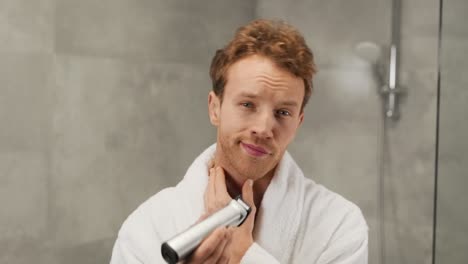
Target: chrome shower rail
391 90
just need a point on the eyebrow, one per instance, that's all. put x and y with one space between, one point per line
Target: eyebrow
289 103
253 96
248 95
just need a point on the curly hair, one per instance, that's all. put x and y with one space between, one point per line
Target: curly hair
274 39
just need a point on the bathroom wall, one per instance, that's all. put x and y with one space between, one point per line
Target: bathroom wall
102 104
345 144
26 88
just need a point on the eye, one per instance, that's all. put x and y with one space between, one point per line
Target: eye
247 104
283 113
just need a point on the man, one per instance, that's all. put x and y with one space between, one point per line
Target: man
262 81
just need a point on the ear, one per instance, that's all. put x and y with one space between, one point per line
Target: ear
301 119
214 108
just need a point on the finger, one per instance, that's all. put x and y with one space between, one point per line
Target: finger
247 193
220 184
211 164
208 246
212 181
215 257
224 258
202 217
248 197
209 196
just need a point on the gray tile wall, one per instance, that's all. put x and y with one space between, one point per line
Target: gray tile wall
102 104
26 79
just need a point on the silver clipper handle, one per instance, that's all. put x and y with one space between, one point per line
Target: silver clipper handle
180 246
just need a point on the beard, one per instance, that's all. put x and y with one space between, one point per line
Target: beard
239 164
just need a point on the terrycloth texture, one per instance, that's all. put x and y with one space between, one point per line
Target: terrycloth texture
298 221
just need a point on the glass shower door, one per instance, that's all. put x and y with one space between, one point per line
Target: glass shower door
451 229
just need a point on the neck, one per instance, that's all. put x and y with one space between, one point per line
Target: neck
235 181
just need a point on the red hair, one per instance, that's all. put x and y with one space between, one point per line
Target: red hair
274 39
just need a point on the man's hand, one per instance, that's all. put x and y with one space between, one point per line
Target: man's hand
225 245
212 248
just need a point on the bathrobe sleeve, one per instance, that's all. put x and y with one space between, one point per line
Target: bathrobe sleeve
140 237
134 245
349 242
124 254
350 249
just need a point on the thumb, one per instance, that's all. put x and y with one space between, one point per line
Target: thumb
247 193
248 197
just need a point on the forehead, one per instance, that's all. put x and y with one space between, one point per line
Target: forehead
260 76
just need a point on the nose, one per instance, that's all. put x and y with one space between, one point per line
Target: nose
262 126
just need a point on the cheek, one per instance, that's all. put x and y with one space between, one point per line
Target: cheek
228 132
287 135
232 123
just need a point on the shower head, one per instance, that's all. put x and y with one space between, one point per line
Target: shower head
368 51
372 54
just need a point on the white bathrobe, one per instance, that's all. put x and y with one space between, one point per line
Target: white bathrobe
298 221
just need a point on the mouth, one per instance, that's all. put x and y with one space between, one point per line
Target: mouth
253 150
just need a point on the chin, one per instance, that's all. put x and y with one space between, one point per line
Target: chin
247 166
254 168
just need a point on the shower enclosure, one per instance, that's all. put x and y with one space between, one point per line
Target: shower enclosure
451 200
385 165
103 104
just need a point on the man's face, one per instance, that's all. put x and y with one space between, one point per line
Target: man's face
258 118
